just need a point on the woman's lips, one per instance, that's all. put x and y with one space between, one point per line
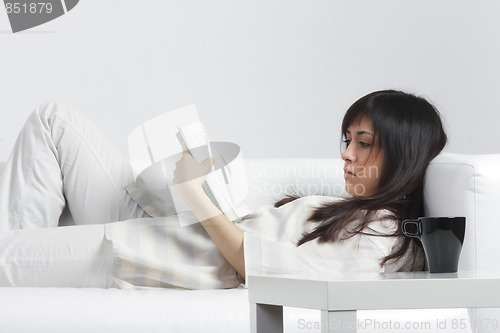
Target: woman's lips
348 174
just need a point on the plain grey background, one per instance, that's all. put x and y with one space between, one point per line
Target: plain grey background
273 76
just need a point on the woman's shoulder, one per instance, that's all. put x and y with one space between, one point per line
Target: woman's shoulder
383 221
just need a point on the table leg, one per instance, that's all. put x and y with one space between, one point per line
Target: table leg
339 321
266 318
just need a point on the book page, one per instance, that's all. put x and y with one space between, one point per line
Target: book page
156 139
156 145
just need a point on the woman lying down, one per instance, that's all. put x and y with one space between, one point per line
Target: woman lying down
60 160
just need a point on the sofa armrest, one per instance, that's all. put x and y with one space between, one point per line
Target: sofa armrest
468 185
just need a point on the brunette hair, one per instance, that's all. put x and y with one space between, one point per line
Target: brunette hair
410 133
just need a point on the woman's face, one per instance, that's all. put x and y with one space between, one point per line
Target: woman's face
363 159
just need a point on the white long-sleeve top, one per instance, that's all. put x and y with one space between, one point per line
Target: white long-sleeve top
156 252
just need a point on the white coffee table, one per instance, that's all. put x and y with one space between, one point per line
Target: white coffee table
341 296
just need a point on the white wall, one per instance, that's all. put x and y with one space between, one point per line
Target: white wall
281 72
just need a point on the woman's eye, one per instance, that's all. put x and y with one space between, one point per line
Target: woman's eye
363 144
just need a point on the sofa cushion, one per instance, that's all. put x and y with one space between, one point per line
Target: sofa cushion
269 179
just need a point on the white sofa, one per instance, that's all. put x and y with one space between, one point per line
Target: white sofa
459 185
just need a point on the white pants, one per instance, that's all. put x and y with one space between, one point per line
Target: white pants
61 160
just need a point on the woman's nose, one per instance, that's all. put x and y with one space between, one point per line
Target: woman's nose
348 154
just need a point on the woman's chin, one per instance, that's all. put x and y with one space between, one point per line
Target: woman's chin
356 190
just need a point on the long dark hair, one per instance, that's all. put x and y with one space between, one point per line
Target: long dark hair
410 133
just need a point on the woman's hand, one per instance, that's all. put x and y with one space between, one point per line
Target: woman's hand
190 174
189 177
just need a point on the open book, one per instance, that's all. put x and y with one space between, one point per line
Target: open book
156 145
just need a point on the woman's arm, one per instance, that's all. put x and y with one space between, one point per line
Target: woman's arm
189 177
